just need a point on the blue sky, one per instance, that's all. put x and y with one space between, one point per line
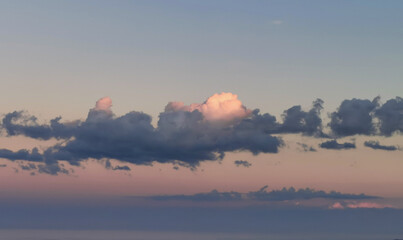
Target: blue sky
133 50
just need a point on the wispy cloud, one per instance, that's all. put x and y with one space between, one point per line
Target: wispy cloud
353 205
285 194
242 163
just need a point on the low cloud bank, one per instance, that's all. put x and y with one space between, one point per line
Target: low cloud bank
285 194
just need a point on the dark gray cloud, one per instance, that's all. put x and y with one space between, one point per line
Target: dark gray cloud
354 117
108 165
333 144
285 194
180 136
19 123
22 154
307 193
28 167
52 168
213 196
186 137
122 168
390 116
47 164
307 148
295 120
377 145
242 163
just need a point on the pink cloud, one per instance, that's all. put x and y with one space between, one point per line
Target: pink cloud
101 110
339 205
367 205
222 107
336 205
104 104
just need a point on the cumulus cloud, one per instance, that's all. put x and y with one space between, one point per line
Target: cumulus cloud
190 134
223 107
295 120
285 194
104 104
242 163
102 110
390 116
182 135
354 117
333 144
376 145
365 117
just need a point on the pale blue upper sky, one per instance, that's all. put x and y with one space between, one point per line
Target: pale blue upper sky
58 57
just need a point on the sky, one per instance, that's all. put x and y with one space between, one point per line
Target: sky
269 110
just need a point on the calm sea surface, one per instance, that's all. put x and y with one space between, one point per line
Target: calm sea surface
138 235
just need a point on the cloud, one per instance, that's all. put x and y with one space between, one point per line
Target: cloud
183 136
297 121
213 196
354 117
104 104
367 205
353 205
365 117
108 165
376 145
19 123
22 154
333 144
390 116
122 168
242 163
307 148
52 168
190 134
28 167
262 195
336 205
223 107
